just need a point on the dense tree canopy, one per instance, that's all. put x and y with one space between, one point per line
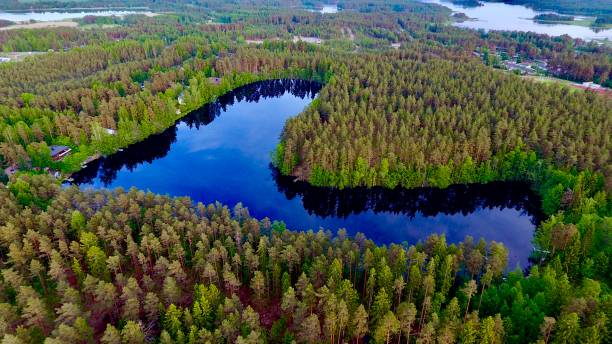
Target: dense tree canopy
127 266
414 119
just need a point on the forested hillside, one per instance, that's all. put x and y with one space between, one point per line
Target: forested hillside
127 267
128 87
414 120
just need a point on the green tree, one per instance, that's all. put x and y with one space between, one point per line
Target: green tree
386 328
406 315
567 329
360 323
132 333
381 306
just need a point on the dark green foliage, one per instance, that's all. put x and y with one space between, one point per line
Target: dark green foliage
400 120
174 277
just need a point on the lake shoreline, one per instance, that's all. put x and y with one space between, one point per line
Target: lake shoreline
499 16
228 143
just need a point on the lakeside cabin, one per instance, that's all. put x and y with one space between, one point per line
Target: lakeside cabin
59 152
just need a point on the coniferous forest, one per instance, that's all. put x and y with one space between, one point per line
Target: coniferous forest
405 103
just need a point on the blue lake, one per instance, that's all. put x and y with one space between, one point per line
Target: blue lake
43 16
501 16
221 152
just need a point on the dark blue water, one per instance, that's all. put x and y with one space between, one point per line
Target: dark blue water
222 153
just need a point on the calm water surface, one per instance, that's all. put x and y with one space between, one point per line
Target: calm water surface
500 16
59 15
222 153
326 9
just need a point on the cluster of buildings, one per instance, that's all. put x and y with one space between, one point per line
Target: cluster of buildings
502 59
526 67
499 58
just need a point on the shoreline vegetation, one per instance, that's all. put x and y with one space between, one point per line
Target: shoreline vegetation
563 7
595 23
553 17
189 101
223 87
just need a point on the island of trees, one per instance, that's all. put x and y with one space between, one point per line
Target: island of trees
553 17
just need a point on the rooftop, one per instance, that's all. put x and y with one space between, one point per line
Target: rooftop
56 150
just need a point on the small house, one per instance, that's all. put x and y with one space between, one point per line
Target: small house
4 59
592 85
59 152
110 131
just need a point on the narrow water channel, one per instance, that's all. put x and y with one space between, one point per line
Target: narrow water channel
221 152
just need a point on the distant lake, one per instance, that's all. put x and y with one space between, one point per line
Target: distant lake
329 9
326 9
221 152
61 15
500 16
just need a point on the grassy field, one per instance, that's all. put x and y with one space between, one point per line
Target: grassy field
574 87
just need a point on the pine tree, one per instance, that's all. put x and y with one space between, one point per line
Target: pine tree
360 323
386 328
132 333
111 335
406 314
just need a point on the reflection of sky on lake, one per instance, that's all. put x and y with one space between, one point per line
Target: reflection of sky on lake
227 160
500 16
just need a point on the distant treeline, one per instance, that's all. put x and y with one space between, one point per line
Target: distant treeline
552 17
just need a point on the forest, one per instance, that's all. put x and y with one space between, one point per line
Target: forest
404 104
120 70
127 266
416 120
